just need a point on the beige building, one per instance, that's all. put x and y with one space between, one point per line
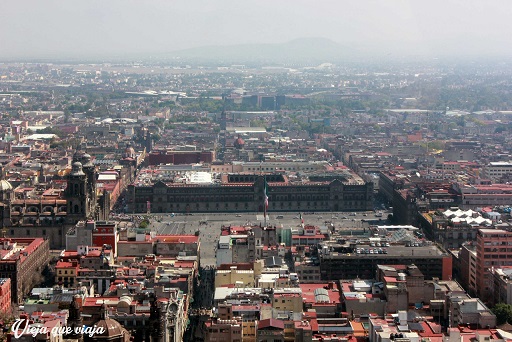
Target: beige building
495 170
66 273
234 276
403 286
501 285
308 272
465 310
162 245
467 257
287 300
249 315
224 330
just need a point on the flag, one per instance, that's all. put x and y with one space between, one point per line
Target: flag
266 197
301 219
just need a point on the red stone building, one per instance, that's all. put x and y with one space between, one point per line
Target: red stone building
5 295
105 234
23 260
180 157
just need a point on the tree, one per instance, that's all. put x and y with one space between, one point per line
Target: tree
503 313
6 321
500 129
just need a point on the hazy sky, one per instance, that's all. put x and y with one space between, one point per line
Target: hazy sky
71 28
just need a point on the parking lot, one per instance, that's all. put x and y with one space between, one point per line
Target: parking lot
208 225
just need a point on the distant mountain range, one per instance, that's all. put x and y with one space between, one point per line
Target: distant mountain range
302 50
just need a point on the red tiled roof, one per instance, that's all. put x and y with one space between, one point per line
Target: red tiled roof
271 323
64 264
177 238
308 294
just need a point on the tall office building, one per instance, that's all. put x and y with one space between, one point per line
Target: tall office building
493 249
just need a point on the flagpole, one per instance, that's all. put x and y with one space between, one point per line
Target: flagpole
265 204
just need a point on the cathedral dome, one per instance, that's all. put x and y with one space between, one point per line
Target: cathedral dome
112 329
76 169
129 152
86 158
79 154
5 186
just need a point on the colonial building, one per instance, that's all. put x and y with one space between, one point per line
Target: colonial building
50 212
246 192
23 260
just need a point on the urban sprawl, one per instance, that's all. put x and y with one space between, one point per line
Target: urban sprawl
252 203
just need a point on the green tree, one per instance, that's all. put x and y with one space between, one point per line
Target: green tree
503 313
500 129
51 130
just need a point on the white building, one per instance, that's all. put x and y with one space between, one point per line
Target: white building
495 170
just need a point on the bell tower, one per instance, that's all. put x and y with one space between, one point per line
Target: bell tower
90 172
76 194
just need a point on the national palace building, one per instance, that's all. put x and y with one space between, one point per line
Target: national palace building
161 190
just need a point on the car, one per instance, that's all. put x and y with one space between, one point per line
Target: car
371 251
344 218
238 215
365 214
295 217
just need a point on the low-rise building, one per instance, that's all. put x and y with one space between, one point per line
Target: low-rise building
344 261
362 297
66 273
234 276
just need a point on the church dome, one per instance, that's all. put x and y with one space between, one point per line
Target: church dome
76 169
129 152
78 155
112 329
5 186
86 159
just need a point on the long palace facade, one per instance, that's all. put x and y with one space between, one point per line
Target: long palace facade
246 193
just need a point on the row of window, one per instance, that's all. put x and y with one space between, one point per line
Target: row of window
7 267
